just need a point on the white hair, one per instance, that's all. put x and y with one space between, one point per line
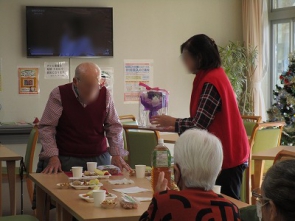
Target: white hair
199 155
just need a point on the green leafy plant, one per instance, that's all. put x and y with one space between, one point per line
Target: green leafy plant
239 63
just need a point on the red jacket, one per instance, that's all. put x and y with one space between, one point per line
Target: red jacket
80 130
227 124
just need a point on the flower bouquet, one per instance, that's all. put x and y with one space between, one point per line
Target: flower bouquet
153 102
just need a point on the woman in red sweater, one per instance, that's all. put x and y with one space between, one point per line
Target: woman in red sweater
213 107
198 158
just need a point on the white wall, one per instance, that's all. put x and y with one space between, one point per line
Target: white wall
143 29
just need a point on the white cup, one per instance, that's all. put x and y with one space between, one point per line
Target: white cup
99 196
140 171
91 166
77 171
217 189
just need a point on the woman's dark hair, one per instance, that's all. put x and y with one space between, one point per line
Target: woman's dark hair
279 186
203 50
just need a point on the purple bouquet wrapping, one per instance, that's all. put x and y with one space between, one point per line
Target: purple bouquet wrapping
153 101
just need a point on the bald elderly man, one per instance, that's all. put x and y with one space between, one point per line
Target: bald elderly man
77 121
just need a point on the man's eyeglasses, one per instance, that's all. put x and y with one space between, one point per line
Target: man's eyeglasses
257 194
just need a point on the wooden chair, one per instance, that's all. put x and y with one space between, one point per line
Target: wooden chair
251 124
26 167
284 155
127 117
267 136
127 120
140 143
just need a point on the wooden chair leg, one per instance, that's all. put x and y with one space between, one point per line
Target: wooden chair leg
30 188
11 180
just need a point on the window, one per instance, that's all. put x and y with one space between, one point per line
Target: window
282 21
282 3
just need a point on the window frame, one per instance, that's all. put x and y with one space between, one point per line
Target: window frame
277 16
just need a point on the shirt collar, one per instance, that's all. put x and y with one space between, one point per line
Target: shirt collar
75 90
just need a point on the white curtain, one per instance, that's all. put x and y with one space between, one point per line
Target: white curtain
256 33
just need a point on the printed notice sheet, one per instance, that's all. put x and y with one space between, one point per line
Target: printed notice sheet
28 78
56 70
136 71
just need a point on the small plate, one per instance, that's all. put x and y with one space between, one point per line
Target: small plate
109 206
86 198
91 200
84 187
96 176
63 185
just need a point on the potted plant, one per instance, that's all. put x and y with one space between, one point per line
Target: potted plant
239 63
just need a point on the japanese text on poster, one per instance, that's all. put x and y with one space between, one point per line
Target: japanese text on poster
28 78
136 71
107 78
56 70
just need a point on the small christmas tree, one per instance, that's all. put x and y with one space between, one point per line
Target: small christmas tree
284 107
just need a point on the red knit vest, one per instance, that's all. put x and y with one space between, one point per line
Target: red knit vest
227 124
80 130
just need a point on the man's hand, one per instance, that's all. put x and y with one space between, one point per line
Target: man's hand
120 162
162 183
163 121
54 166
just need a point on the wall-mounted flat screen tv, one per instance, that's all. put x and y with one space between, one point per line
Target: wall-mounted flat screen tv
69 31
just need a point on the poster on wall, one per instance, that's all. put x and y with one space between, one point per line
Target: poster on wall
136 71
107 78
28 78
56 70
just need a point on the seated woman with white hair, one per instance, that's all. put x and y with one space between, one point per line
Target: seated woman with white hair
198 159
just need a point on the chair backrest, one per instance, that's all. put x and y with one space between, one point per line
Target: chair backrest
140 145
128 119
268 136
251 124
31 146
284 155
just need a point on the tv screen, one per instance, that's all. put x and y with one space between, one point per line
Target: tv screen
69 31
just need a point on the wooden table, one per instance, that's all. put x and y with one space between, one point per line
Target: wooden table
69 204
259 159
169 137
10 157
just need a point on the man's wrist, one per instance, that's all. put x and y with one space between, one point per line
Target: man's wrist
54 156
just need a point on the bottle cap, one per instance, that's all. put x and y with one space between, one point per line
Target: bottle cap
161 141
